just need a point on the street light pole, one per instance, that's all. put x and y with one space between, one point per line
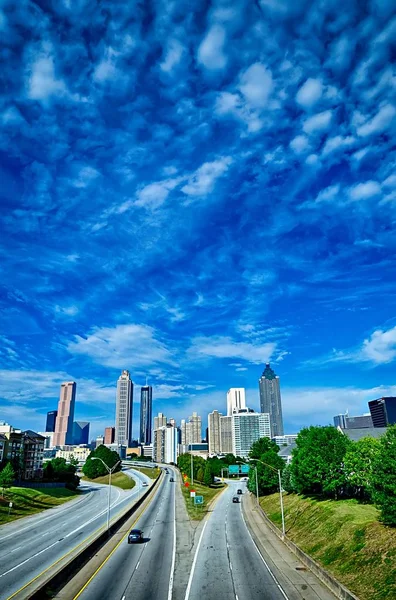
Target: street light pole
257 496
280 491
110 471
192 467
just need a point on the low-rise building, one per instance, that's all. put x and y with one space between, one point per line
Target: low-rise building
80 453
33 454
285 440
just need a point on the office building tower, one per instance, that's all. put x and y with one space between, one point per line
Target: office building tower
270 399
183 432
339 420
236 400
247 428
64 421
99 441
226 435
383 411
172 422
159 421
109 435
80 432
51 420
146 414
165 444
213 436
194 429
124 407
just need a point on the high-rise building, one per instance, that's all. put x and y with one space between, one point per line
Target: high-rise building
124 407
51 420
270 399
339 420
247 428
109 435
165 444
383 411
236 399
64 421
146 414
226 435
159 421
80 432
183 432
194 431
99 441
214 445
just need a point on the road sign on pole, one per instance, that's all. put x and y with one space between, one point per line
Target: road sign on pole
192 494
198 500
245 468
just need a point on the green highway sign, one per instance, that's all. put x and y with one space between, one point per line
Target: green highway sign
198 500
233 469
245 468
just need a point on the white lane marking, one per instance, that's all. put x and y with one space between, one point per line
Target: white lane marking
123 598
170 589
194 563
264 561
231 566
15 549
30 558
137 565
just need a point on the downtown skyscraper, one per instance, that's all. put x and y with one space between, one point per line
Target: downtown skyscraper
124 407
146 414
270 399
64 420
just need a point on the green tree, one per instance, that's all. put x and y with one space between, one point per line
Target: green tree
359 463
208 477
58 470
267 452
287 480
200 475
384 477
7 476
317 465
262 447
95 468
73 460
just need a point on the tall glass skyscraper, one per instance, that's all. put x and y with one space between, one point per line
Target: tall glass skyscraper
51 420
270 399
124 407
146 414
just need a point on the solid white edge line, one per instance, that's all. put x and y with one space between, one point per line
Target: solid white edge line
170 590
263 559
194 563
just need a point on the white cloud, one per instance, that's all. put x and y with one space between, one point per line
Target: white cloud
86 176
69 311
42 81
173 56
202 182
379 123
122 346
337 142
155 194
106 69
225 347
211 50
380 347
364 191
309 93
256 85
328 193
318 122
299 144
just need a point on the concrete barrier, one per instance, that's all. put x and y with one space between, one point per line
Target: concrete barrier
327 578
56 577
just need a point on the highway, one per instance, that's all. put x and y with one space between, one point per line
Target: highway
141 571
30 546
227 564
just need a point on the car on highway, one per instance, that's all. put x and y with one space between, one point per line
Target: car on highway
171 479
135 536
144 484
236 499
239 491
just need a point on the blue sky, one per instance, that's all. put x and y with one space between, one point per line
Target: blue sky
189 191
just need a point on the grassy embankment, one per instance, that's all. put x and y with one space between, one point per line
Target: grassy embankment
197 512
345 537
118 479
27 501
152 473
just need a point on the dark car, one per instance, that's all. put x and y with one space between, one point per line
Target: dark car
235 499
171 479
239 491
135 536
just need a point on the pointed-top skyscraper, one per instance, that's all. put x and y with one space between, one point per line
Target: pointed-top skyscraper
270 399
124 405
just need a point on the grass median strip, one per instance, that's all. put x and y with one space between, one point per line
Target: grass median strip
28 501
118 479
197 512
150 472
345 537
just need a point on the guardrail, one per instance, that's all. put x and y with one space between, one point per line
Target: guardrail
55 577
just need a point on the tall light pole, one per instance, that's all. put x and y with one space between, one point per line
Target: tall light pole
192 466
110 471
280 490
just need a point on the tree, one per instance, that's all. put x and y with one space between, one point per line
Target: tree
73 460
359 462
57 470
262 446
200 475
7 476
208 477
95 468
317 465
266 451
384 477
287 480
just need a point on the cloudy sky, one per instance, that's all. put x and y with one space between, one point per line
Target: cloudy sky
190 190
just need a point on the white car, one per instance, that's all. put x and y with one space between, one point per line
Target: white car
144 484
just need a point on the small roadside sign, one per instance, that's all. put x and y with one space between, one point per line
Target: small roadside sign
192 494
10 505
198 500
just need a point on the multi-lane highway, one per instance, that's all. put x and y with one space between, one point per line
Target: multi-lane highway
227 564
29 547
141 571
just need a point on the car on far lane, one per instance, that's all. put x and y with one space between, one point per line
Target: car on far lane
144 484
235 499
135 536
171 479
239 491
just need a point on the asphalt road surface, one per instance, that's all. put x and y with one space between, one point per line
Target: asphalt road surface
141 571
227 564
29 546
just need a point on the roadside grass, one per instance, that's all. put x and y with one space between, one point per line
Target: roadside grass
28 501
197 512
152 473
345 537
118 479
